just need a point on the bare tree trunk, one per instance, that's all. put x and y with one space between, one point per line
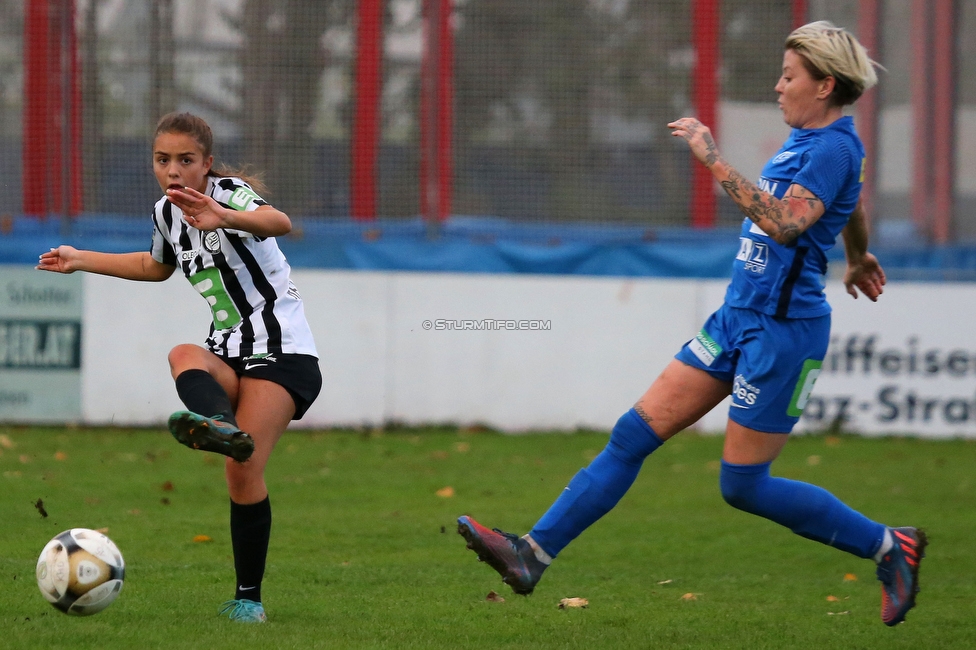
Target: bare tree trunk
303 64
162 83
259 87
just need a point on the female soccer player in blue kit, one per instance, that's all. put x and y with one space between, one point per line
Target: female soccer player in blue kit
259 369
765 345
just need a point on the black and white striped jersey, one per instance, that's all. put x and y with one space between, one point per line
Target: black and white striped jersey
245 279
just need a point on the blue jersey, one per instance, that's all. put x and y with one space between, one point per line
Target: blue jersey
787 281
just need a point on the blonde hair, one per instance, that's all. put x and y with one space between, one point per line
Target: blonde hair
831 51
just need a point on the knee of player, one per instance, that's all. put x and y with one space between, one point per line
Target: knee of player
632 440
241 477
741 485
180 355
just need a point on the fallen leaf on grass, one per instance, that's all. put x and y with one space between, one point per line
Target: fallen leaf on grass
666 582
462 447
6 442
493 597
39 504
167 486
60 455
832 441
24 459
445 492
813 460
839 613
832 599
691 596
850 577
199 539
581 603
103 531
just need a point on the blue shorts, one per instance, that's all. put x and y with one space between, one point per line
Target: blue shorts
772 363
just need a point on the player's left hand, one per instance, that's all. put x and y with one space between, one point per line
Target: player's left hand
866 275
199 210
699 139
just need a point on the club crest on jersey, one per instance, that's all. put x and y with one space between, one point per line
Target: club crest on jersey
211 242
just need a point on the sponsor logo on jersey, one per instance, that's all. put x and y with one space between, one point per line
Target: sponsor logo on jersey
188 256
211 241
756 230
705 348
743 391
767 185
241 198
783 157
753 254
293 291
804 386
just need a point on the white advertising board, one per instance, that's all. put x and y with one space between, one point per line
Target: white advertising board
40 346
901 366
432 348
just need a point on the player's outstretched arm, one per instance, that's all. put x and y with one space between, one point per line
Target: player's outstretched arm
129 266
204 213
864 272
782 219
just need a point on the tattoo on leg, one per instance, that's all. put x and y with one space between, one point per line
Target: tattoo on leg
641 412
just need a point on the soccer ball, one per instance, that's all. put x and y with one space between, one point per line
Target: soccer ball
80 572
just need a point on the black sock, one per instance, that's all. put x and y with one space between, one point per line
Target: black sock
250 529
203 395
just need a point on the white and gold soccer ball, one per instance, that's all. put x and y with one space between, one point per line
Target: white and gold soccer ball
80 572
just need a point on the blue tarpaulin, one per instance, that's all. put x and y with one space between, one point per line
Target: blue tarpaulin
479 245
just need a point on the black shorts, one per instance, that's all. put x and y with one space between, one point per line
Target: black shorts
299 374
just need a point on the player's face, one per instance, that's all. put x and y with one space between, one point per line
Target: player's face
801 97
178 161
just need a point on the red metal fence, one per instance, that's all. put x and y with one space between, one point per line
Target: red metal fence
540 112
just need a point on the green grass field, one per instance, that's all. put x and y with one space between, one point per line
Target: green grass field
364 552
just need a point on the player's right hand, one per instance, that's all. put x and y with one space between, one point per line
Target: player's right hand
58 260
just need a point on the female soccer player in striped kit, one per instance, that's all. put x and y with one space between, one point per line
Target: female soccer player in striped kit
764 346
259 368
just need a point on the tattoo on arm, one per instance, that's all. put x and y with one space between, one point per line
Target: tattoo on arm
712 156
761 207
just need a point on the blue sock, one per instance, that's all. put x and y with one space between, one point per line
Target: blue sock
805 509
595 490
